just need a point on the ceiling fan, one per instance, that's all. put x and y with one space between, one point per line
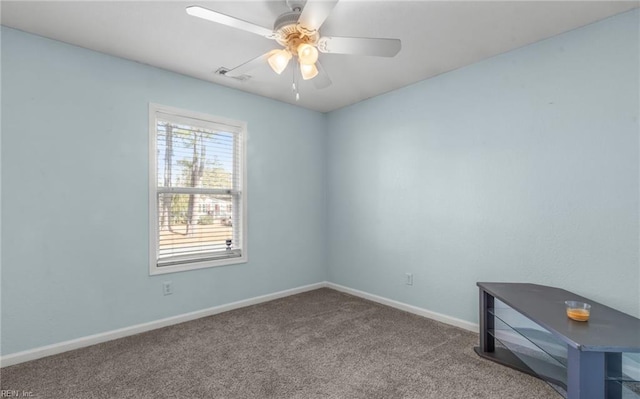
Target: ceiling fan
297 31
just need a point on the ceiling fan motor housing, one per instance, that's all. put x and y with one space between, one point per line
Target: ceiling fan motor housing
290 34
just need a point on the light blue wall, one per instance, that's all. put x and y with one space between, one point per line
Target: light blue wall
523 167
74 195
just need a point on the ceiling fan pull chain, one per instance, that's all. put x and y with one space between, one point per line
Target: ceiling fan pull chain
293 79
294 85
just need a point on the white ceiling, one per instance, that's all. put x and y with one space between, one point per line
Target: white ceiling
437 36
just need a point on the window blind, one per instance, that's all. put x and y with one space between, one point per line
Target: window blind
198 195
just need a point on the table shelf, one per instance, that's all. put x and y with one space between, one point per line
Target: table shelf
539 362
531 331
630 368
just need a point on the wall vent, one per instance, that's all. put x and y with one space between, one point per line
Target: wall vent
222 71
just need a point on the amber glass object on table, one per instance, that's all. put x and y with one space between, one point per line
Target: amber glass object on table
578 311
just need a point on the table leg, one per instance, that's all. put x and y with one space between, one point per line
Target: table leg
487 342
613 367
586 375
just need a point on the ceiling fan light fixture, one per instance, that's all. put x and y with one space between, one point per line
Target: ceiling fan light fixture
278 60
308 71
307 54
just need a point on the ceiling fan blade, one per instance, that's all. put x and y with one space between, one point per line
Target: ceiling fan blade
248 66
321 80
223 19
359 46
315 12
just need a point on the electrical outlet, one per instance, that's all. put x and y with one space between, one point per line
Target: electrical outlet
408 279
167 288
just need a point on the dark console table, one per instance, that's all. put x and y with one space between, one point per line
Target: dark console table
525 327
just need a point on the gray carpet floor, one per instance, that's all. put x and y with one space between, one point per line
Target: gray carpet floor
319 344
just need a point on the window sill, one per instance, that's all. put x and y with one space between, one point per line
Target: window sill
155 269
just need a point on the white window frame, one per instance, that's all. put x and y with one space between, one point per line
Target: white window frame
154 269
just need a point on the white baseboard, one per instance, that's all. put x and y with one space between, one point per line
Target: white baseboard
407 308
54 349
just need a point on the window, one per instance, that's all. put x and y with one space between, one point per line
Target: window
197 164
